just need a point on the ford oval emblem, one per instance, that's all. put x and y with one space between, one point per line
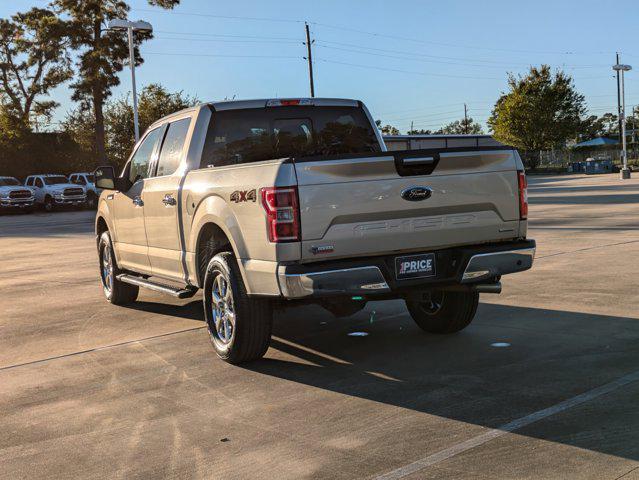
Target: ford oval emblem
416 194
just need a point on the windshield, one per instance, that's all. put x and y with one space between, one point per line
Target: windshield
252 135
8 182
55 180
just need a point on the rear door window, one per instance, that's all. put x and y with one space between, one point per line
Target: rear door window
172 147
257 134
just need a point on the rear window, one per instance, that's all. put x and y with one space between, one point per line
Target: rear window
253 135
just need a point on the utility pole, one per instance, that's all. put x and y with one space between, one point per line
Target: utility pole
411 126
465 119
621 70
309 57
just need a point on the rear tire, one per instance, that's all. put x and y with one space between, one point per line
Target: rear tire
115 291
446 312
239 325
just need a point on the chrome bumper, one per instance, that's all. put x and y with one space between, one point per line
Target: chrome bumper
70 200
17 202
347 281
488 265
369 279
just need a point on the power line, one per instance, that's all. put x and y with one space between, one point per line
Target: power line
474 77
257 37
473 47
221 40
225 17
462 61
221 55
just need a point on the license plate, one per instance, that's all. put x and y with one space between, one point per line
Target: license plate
415 266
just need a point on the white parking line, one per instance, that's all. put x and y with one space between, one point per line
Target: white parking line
492 434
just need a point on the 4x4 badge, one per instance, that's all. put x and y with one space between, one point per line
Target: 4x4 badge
243 196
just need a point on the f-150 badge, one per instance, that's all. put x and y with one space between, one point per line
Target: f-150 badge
243 196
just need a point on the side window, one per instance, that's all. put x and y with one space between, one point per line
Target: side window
142 158
171 153
80 180
38 183
29 182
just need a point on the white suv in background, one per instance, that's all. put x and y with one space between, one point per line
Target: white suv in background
55 190
87 180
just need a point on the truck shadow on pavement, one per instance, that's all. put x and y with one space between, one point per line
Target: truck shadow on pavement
552 356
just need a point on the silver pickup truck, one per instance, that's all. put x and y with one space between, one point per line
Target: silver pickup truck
268 203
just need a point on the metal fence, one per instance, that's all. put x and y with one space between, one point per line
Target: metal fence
562 158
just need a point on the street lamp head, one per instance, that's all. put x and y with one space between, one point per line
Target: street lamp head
121 24
621 67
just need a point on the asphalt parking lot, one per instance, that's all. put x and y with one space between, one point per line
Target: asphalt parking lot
89 390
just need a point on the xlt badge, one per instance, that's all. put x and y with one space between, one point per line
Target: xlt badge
243 196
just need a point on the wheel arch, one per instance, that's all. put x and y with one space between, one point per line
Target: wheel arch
205 249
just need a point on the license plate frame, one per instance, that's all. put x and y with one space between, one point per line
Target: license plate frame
423 267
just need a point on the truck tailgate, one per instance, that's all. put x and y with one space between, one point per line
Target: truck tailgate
356 206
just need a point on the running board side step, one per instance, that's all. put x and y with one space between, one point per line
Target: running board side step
178 292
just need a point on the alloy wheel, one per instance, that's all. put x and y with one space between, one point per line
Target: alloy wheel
222 309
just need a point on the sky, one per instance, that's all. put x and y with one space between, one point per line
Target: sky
409 61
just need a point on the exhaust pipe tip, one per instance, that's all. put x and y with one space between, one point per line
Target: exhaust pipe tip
488 288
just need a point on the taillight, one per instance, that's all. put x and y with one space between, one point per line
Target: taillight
523 195
282 213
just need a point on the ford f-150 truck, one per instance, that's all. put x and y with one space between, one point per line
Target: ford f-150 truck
268 203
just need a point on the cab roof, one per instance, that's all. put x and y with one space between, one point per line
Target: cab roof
263 103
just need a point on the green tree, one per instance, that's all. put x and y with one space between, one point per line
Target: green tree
102 54
419 131
154 103
33 60
540 111
463 126
387 129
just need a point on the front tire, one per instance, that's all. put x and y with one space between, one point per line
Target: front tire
91 201
239 325
48 204
444 312
115 291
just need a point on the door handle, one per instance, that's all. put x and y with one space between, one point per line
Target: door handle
137 201
169 201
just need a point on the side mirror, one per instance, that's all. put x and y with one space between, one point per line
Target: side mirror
105 179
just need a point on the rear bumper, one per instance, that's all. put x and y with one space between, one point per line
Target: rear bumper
376 275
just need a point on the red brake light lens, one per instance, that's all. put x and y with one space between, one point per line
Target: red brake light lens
523 195
282 213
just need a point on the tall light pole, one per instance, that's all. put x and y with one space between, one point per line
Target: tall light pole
130 27
622 69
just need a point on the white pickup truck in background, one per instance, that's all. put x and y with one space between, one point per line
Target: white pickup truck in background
14 196
269 203
53 191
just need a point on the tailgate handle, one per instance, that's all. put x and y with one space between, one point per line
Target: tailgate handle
414 162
